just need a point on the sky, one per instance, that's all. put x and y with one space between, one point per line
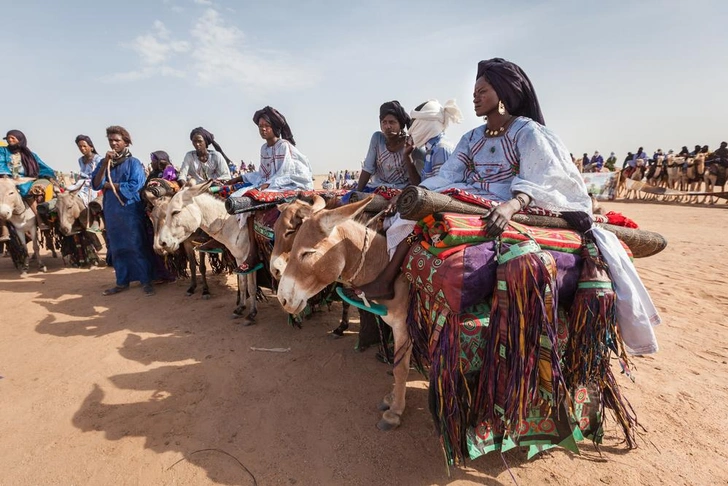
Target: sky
610 76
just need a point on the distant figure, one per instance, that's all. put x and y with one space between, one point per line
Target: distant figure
611 162
595 164
627 159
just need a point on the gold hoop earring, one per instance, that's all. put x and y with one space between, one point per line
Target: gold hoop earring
501 108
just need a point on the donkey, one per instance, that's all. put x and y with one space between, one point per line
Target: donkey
14 211
73 211
193 208
285 228
158 216
330 246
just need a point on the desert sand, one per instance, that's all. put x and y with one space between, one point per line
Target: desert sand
116 390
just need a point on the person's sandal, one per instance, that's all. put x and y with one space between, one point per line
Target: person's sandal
148 290
115 290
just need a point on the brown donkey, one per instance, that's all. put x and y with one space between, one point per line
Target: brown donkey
330 246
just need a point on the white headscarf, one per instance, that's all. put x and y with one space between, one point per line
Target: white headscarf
432 119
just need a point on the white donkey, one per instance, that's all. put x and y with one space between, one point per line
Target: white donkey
194 207
14 210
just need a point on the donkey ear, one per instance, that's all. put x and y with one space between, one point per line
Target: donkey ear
201 188
330 219
319 203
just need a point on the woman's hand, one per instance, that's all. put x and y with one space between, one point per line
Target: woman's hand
263 187
500 216
409 146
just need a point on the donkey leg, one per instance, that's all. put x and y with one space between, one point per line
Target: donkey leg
35 237
251 285
242 297
392 417
203 276
192 264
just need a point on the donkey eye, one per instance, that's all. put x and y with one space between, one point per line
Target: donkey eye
175 212
289 232
307 253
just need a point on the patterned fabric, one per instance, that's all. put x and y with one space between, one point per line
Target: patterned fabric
446 233
527 158
468 276
387 168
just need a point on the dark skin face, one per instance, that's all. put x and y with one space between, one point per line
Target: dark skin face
485 99
485 102
390 128
266 132
117 143
12 140
86 150
199 143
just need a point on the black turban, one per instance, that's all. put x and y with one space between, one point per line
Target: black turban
395 109
87 139
513 88
30 165
277 122
209 139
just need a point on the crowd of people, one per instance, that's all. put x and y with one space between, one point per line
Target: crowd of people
341 179
597 163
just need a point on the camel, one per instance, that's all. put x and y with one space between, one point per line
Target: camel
193 208
285 228
158 216
715 175
673 171
14 211
330 246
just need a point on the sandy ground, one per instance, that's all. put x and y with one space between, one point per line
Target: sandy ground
115 390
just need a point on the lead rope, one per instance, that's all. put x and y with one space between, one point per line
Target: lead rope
113 187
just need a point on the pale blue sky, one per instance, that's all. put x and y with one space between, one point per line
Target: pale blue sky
610 75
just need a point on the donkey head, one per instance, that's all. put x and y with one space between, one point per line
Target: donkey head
322 249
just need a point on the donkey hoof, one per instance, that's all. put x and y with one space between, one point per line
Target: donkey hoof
206 296
389 421
43 269
248 321
24 275
386 402
189 294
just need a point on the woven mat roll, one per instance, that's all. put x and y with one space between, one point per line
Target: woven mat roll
377 204
415 203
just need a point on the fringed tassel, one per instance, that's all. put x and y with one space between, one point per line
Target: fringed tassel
518 375
419 329
450 399
593 336
592 321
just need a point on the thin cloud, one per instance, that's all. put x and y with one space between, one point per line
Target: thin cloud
216 54
203 2
223 57
155 50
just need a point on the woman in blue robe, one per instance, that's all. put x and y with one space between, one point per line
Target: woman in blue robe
18 162
131 250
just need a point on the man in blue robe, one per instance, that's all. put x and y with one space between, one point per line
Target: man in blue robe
131 250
